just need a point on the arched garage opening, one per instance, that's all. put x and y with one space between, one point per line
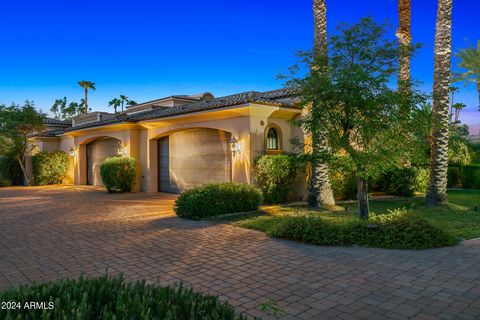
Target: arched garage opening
97 151
193 157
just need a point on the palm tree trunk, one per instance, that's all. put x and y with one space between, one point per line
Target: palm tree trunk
86 101
405 41
320 194
437 188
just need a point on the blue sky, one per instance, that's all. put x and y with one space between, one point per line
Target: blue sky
150 49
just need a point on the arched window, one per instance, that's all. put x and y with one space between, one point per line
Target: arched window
272 139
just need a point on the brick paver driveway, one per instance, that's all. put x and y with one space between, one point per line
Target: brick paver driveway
53 232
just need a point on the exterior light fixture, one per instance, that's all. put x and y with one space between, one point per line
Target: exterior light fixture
234 146
73 152
121 150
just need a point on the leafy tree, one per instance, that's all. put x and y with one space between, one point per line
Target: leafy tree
437 188
360 112
115 103
470 60
64 111
86 85
16 123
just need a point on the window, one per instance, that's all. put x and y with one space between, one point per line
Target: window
272 139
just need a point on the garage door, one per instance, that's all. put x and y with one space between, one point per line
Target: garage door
97 152
193 157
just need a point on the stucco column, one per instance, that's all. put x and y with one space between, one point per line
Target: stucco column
133 151
80 176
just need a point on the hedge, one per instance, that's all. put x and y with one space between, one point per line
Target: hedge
471 176
404 181
275 175
118 173
215 199
398 230
50 168
110 297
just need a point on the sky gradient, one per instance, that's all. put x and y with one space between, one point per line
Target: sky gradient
150 49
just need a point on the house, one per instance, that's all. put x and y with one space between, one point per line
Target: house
179 141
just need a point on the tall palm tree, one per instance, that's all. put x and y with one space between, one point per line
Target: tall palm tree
437 188
86 85
470 60
320 194
458 107
123 99
452 90
115 103
405 40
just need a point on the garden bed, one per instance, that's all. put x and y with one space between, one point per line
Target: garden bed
411 226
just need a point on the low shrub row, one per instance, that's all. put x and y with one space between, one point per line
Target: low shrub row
50 168
215 199
118 173
398 230
110 297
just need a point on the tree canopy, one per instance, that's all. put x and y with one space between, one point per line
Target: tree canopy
355 103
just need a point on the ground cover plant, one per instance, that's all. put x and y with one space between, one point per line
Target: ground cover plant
109 297
399 223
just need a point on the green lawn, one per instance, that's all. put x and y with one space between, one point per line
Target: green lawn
458 218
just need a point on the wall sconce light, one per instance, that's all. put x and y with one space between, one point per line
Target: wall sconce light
73 152
121 151
234 146
34 150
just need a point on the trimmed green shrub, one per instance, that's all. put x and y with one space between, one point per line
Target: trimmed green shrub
10 169
454 177
471 176
215 199
110 297
5 182
118 173
275 175
404 181
50 168
397 230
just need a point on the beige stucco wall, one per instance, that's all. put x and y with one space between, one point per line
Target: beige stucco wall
247 124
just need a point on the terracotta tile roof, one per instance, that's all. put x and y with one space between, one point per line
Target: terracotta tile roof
267 98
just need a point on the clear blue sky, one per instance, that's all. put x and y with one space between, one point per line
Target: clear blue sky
150 49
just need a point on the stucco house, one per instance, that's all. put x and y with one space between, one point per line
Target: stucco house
178 141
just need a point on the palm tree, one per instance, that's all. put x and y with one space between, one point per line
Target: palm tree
405 40
123 99
458 107
115 103
437 188
320 194
470 60
86 85
131 102
452 90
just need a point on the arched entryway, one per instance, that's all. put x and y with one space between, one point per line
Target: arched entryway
97 151
193 157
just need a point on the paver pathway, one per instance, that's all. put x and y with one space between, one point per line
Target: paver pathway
52 232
